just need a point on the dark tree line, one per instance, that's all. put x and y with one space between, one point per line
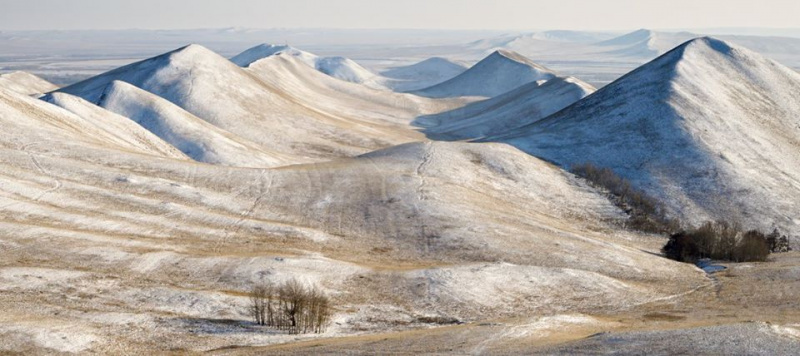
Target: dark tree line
720 241
645 212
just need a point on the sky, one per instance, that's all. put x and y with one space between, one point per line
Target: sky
406 14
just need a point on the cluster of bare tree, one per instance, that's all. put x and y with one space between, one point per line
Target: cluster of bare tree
719 241
290 306
645 212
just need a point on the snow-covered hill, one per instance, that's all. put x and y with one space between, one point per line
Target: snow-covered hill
25 83
156 243
423 74
236 100
194 137
524 105
644 44
265 50
97 123
337 67
41 125
710 128
496 74
348 70
311 88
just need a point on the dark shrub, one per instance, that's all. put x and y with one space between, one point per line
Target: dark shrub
682 247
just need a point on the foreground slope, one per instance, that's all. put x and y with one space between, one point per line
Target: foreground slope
710 128
99 238
25 83
498 73
36 123
519 107
235 100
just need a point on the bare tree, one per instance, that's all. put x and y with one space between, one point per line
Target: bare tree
294 297
260 303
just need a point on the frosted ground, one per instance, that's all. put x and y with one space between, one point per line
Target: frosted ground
138 207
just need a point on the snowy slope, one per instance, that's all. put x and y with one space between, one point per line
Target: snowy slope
524 105
496 74
265 50
312 88
25 83
644 44
168 246
194 137
337 67
423 74
37 123
348 70
102 234
113 128
709 127
432 67
237 101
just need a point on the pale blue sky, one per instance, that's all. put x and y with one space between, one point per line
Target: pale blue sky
428 14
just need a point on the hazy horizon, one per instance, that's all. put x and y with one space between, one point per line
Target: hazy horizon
504 15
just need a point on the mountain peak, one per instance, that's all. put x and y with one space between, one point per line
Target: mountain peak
710 43
514 56
191 51
500 72
706 51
